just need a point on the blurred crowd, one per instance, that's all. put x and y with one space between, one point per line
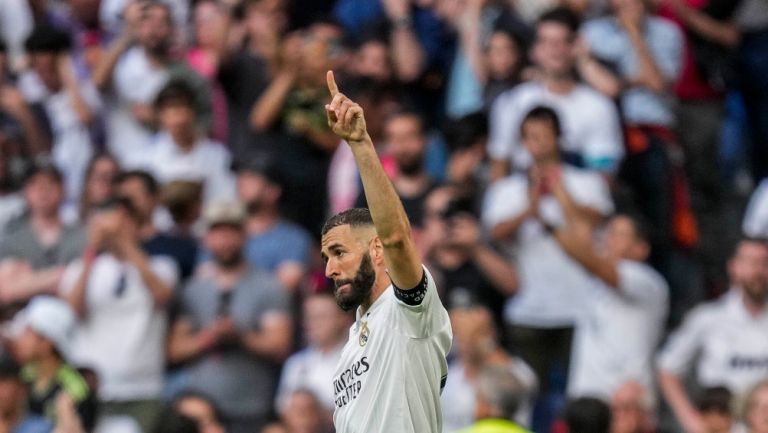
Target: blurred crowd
584 179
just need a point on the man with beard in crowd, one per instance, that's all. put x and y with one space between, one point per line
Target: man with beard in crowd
234 326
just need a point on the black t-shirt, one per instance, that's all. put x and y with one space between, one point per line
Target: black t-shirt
243 78
182 249
466 285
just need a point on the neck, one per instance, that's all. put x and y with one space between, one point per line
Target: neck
185 140
46 220
548 161
379 287
156 59
147 230
559 83
261 222
754 306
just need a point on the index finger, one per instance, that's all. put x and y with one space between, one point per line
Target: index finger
332 87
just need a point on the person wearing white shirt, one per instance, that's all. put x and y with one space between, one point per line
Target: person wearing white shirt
617 334
393 367
590 121
313 367
69 104
119 294
136 74
521 213
180 151
725 341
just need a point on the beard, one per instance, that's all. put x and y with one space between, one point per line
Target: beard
255 207
755 291
229 259
360 286
411 166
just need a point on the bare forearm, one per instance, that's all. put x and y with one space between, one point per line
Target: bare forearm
674 393
649 74
40 282
508 228
102 75
160 291
272 343
724 33
499 169
39 143
268 107
407 54
471 43
496 269
76 297
599 77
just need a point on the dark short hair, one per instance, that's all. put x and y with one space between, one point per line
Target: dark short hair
172 421
542 112
717 398
407 112
587 415
44 168
149 182
176 91
47 39
466 131
562 16
747 240
122 203
355 217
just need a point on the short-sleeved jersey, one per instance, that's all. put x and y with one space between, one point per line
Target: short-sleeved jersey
393 367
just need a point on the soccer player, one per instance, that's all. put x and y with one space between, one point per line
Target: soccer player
393 366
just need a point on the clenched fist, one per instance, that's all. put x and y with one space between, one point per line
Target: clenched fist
345 117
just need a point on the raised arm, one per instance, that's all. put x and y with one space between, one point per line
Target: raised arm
346 119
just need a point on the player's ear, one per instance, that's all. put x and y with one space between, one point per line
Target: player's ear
376 250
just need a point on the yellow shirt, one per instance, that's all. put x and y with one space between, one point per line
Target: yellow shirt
492 425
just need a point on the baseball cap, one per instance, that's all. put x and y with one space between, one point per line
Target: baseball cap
229 213
50 317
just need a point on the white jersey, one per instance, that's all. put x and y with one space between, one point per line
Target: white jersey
394 365
728 345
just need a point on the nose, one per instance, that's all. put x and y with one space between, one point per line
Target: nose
331 270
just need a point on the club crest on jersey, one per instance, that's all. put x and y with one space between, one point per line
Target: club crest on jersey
362 339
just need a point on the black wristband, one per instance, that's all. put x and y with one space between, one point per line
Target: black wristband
415 295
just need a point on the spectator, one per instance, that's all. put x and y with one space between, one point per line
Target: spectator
41 344
98 186
499 396
587 415
209 32
233 327
632 409
293 108
180 150
711 36
274 244
521 213
137 74
466 139
628 298
727 337
589 120
70 105
313 368
477 349
116 289
13 402
172 421
716 406
40 242
407 143
303 413
755 416
202 410
372 61
504 59
469 270
245 66
141 189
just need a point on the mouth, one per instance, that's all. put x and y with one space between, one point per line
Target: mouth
345 286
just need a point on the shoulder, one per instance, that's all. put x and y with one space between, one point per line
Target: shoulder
639 274
592 99
510 184
578 177
73 383
597 26
518 94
